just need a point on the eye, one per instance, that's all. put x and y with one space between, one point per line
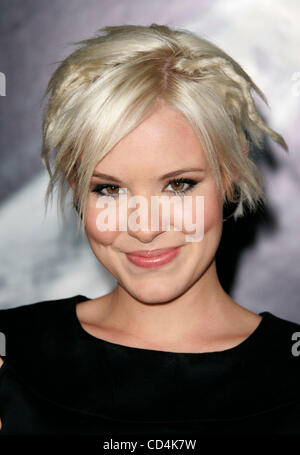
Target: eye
112 190
179 185
106 189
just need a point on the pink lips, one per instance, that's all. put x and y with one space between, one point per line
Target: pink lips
154 258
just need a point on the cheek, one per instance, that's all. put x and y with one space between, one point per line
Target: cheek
206 212
211 217
93 233
213 213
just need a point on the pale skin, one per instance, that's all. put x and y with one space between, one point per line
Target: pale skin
180 306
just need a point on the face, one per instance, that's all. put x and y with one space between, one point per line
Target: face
164 143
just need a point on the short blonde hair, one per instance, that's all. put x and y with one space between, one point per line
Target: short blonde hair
111 82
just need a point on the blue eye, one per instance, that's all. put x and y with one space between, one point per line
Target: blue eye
100 187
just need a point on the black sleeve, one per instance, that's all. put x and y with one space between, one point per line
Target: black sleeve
18 328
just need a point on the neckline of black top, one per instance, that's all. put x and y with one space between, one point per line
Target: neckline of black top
252 339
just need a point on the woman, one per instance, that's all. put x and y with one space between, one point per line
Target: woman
136 113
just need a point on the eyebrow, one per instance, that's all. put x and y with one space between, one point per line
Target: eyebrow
169 174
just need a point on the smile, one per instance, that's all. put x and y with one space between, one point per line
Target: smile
156 260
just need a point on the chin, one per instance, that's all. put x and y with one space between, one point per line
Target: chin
154 292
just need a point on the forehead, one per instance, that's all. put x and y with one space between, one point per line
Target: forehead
163 140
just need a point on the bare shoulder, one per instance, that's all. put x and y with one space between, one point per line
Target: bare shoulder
245 321
251 320
89 311
235 327
1 362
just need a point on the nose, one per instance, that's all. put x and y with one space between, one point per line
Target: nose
144 236
147 224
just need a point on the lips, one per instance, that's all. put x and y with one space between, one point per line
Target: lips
154 258
150 253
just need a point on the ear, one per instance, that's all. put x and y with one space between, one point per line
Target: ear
71 180
245 150
72 184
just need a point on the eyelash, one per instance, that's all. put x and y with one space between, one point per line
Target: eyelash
101 186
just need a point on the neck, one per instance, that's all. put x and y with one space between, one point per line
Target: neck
202 311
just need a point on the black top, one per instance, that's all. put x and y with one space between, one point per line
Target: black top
59 379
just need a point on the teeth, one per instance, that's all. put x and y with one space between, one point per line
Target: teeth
152 253
156 253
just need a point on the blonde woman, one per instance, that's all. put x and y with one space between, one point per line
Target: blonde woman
147 113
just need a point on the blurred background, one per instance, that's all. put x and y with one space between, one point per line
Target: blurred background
41 258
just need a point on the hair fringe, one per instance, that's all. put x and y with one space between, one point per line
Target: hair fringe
102 90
